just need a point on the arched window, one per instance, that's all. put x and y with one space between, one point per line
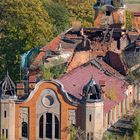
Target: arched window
41 127
56 128
48 125
24 129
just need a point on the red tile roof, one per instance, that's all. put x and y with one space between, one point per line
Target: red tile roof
75 80
32 79
52 46
115 62
20 85
136 13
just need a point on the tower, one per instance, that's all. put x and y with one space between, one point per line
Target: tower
92 111
7 108
109 12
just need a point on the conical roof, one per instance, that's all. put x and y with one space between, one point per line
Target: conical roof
8 86
92 91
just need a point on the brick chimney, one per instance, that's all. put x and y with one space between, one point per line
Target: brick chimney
20 90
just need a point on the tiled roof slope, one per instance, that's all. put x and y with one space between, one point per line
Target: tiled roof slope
52 46
75 80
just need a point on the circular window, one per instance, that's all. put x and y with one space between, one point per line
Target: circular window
48 100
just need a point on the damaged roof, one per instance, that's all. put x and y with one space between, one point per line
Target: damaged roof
80 76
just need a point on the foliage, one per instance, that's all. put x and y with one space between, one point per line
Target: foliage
32 23
54 71
59 16
129 17
24 25
76 133
72 131
136 126
117 3
112 93
3 138
80 10
107 136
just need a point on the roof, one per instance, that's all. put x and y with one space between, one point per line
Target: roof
20 85
7 87
136 13
130 6
114 60
52 46
8 84
32 79
80 76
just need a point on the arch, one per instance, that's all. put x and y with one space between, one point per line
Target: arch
56 127
24 129
41 127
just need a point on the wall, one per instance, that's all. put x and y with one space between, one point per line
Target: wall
136 21
31 104
8 122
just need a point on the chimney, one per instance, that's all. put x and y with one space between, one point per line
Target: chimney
102 84
20 90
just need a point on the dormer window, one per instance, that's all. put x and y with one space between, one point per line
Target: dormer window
92 91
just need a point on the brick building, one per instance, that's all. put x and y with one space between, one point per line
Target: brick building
87 96
136 20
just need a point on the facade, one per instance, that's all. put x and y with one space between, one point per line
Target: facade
87 96
109 12
136 20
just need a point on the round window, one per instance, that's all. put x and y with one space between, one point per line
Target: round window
48 100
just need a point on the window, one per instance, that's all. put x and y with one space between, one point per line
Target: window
2 132
6 133
51 127
87 136
24 129
137 49
56 127
72 117
4 114
109 114
91 135
90 117
48 125
41 127
108 13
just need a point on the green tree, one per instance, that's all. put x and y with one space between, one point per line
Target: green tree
136 126
81 10
129 18
59 15
3 138
23 25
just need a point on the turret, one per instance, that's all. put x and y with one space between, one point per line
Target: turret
7 108
92 111
8 88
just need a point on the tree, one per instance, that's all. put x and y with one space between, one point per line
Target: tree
136 125
59 15
76 133
129 17
81 10
53 70
23 25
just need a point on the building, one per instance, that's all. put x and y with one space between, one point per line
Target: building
109 12
136 20
87 96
